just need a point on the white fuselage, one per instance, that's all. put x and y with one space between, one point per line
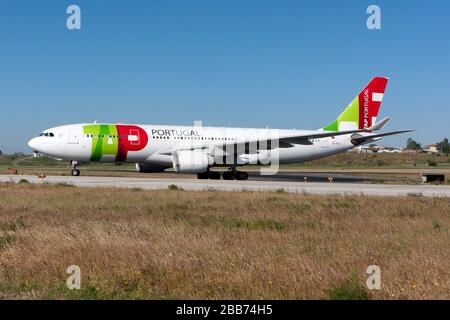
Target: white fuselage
151 144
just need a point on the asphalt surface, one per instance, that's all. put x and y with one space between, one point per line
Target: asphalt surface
321 188
323 177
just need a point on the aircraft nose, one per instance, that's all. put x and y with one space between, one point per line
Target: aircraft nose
33 143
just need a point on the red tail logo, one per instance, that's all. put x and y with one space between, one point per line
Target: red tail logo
370 101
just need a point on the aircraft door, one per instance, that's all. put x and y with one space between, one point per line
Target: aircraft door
133 137
325 143
73 135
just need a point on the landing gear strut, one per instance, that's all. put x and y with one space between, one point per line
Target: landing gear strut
75 171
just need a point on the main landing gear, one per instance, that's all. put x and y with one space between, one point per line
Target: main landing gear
238 175
232 174
213 175
75 171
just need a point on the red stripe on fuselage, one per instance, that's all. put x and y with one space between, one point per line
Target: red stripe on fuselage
126 141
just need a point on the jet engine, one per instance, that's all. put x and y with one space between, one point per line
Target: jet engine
191 161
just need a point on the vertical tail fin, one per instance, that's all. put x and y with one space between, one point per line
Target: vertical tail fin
362 112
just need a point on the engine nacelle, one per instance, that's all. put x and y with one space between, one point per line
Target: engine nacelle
191 161
357 139
148 168
255 158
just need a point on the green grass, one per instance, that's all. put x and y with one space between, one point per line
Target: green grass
19 161
343 204
174 187
351 289
431 163
13 225
303 207
237 223
65 184
436 224
6 240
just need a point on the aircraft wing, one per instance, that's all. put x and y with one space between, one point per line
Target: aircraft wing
282 141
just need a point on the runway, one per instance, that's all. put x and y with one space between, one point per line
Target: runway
323 177
320 188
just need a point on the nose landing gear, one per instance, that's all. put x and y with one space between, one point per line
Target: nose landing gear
75 171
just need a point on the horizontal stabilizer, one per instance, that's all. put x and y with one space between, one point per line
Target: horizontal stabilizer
360 139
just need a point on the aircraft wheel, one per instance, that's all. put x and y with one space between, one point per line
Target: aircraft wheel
75 172
228 175
242 176
214 175
202 175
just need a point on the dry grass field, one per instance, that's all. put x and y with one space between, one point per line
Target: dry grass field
177 244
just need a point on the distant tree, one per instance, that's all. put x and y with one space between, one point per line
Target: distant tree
1 153
413 145
443 146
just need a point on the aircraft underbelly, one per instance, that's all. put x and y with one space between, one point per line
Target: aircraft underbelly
301 153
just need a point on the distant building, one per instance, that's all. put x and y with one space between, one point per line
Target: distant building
376 149
391 150
361 149
431 148
369 149
411 151
381 149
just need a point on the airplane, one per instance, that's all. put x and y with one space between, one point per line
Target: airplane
197 149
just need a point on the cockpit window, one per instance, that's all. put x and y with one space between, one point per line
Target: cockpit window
46 134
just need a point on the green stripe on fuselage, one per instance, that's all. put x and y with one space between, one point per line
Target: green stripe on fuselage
104 140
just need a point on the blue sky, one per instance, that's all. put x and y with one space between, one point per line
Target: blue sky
251 63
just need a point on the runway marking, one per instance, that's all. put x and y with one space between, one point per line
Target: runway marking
222 185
